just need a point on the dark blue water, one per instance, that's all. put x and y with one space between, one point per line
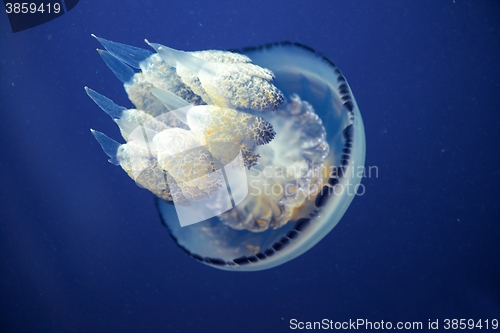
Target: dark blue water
82 248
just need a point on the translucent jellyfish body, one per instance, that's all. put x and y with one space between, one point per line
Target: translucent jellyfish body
253 155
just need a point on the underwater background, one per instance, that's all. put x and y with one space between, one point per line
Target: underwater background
82 248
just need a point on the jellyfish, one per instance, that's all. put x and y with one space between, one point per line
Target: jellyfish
253 155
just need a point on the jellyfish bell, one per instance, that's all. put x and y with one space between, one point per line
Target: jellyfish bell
254 155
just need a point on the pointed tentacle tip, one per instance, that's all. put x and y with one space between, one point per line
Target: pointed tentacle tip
107 105
162 49
155 46
108 145
97 37
150 44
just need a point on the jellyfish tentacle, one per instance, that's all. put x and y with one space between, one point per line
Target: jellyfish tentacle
121 70
172 102
108 145
175 57
107 105
130 55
